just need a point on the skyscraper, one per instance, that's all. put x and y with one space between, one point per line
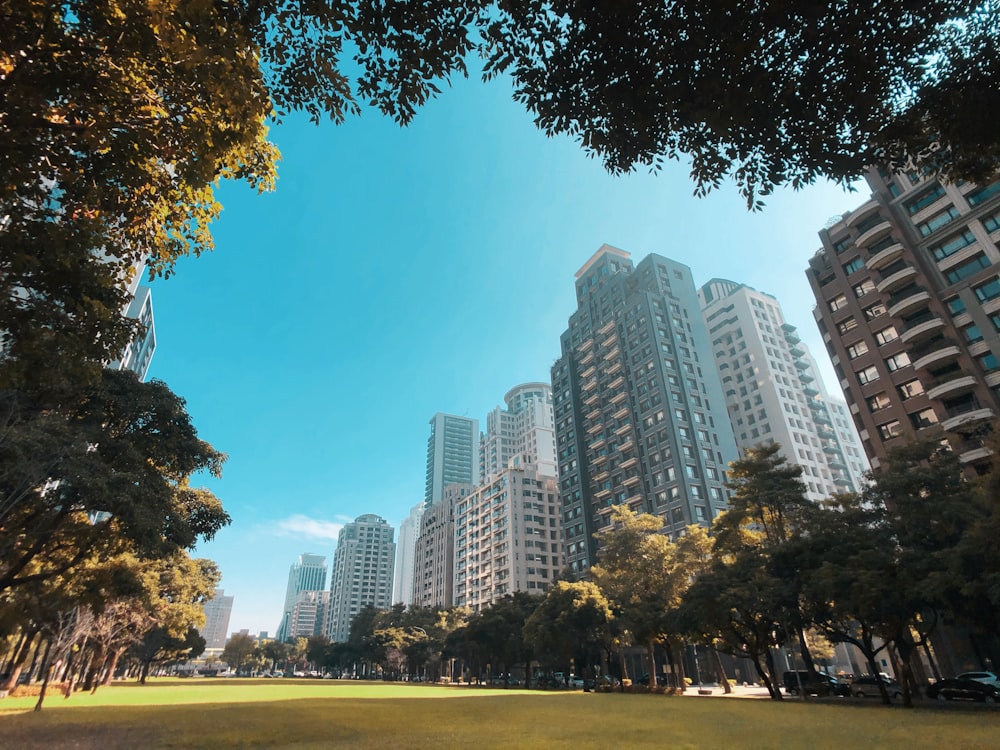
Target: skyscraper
218 610
434 558
402 577
526 428
908 301
308 574
362 572
452 454
778 396
640 415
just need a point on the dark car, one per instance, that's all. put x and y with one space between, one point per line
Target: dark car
867 687
661 680
813 683
957 688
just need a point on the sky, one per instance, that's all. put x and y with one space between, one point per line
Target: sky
399 272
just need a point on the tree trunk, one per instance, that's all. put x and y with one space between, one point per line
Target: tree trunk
775 686
110 669
650 657
18 663
723 680
47 670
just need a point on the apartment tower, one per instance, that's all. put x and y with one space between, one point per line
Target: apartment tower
361 574
308 574
908 301
452 454
640 415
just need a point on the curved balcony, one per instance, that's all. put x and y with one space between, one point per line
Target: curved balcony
621 413
952 387
896 280
976 454
884 257
876 232
631 481
628 463
966 420
614 367
616 383
922 329
624 428
935 354
908 301
810 391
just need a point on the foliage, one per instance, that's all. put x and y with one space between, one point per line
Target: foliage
238 650
571 624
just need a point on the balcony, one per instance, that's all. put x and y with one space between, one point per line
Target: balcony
599 459
616 383
907 301
612 354
619 397
876 232
975 454
632 481
896 280
598 444
800 364
922 328
837 463
590 371
967 418
606 328
627 445
884 257
600 477
628 463
589 385
594 428
934 353
624 428
950 387
592 399
587 358
621 413
614 367
590 416
795 351
810 391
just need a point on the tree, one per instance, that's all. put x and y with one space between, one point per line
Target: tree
571 624
238 651
117 459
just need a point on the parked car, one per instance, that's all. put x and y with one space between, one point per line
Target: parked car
661 680
867 687
814 684
956 688
987 678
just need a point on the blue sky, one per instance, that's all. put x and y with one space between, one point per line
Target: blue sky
395 273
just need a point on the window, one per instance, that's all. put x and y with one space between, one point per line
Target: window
878 402
956 305
856 264
847 325
842 245
910 389
896 361
953 244
988 362
890 430
856 350
938 220
925 199
868 375
874 311
982 194
966 269
972 334
989 290
924 418
872 221
886 335
991 222
838 302
865 287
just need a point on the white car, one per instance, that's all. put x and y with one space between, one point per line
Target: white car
987 678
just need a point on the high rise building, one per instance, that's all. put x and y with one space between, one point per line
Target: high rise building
434 558
402 578
308 574
308 614
362 572
452 454
777 395
218 610
639 410
908 302
507 536
526 428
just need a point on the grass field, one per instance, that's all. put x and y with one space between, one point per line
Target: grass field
221 714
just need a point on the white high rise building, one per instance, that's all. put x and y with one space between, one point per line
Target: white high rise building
308 574
362 572
403 575
525 428
773 390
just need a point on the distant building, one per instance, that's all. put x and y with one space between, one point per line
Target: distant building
402 578
526 429
507 536
434 556
452 454
362 572
308 614
639 411
773 391
308 574
218 610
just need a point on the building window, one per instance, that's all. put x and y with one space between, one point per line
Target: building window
874 311
865 287
890 430
838 302
956 305
847 325
896 361
966 269
886 335
991 222
842 245
989 290
925 199
910 389
856 350
878 402
988 362
868 375
924 418
872 221
856 264
938 220
972 334
982 194
952 245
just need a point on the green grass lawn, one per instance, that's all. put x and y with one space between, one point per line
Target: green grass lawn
342 714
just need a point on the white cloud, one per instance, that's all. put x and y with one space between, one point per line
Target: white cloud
304 527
